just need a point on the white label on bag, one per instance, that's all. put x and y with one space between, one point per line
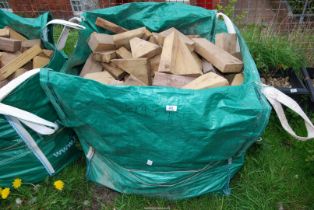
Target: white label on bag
171 108
293 90
149 162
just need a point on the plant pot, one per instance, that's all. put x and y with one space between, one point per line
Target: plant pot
309 80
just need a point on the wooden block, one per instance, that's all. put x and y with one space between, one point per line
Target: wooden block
221 59
122 52
208 80
3 83
227 42
162 79
100 42
147 34
46 53
110 26
197 59
16 35
238 55
19 61
90 66
17 73
143 49
162 35
235 79
9 45
30 43
114 71
8 57
5 32
154 64
133 81
207 67
123 39
138 67
103 77
176 57
104 56
193 36
153 38
40 61
28 65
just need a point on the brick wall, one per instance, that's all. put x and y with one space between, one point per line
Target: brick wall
32 8
63 9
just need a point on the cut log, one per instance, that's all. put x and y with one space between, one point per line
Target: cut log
114 71
30 43
9 45
238 55
147 34
153 38
197 59
138 67
227 42
5 32
154 64
3 83
90 66
176 57
103 77
235 79
8 57
19 61
40 61
162 35
162 79
208 80
104 56
221 59
110 26
143 49
193 36
122 52
207 67
16 35
100 42
133 81
17 73
123 39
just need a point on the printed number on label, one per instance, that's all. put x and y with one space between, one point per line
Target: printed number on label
171 108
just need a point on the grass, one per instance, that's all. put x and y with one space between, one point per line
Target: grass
274 52
278 174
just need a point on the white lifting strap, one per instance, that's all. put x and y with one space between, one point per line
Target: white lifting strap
277 98
38 124
65 32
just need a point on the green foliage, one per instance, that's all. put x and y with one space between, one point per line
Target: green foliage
297 6
229 10
273 52
71 41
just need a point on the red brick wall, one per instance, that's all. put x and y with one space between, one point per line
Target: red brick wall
31 8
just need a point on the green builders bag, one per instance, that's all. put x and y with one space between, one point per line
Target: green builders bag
32 144
160 141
